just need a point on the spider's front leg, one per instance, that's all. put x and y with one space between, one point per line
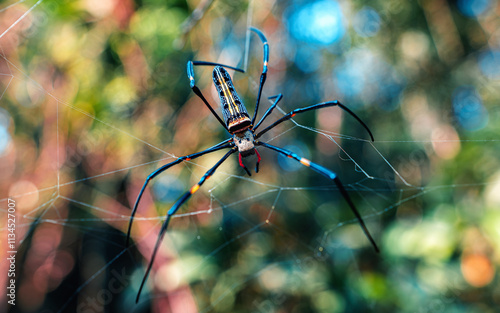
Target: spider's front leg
263 76
174 209
314 107
328 174
197 91
223 145
277 99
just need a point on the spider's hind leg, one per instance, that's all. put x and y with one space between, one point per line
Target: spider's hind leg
219 146
331 175
174 209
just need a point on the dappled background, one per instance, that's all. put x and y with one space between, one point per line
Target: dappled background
94 96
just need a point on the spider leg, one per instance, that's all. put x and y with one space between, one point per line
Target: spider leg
173 210
270 110
263 76
331 175
243 165
315 107
213 64
197 91
165 167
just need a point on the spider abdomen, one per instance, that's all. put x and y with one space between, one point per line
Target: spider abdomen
234 112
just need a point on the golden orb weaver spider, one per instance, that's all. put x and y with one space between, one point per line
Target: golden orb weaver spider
244 140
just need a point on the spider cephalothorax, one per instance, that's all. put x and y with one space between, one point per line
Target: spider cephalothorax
238 124
245 143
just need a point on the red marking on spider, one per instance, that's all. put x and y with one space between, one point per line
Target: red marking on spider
241 161
258 156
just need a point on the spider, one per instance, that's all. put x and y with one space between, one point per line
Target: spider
244 140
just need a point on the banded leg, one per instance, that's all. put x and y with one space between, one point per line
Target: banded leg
263 76
240 159
197 91
270 110
174 209
222 145
315 107
331 175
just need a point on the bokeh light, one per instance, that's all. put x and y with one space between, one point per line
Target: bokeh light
320 22
367 22
4 139
468 108
477 269
307 59
4 118
168 187
362 74
291 165
489 63
473 8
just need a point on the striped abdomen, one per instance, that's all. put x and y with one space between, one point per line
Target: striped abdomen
234 113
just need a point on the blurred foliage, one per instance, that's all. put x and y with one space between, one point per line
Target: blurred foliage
94 96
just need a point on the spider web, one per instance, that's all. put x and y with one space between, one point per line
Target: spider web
74 190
